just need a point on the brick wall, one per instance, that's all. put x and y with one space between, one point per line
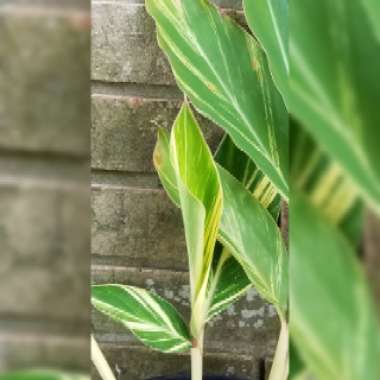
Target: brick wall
137 235
44 197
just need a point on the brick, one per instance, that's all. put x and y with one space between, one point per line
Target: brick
147 363
137 227
249 320
44 80
44 272
28 350
124 46
124 130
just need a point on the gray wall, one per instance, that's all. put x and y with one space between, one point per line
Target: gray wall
137 235
44 175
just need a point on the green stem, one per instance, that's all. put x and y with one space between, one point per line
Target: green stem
197 359
280 366
100 361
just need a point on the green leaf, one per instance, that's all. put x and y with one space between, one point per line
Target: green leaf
250 233
200 197
237 163
328 188
228 282
372 7
149 317
232 159
164 167
268 19
332 319
224 72
334 84
42 374
220 294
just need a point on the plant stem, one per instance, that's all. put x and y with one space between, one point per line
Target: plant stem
197 359
280 366
100 361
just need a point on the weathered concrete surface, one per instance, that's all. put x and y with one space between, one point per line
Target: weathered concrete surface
124 47
124 130
139 226
44 206
138 363
44 79
30 350
44 251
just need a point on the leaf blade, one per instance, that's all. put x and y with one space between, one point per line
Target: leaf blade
234 90
149 317
201 205
329 345
334 86
268 19
253 237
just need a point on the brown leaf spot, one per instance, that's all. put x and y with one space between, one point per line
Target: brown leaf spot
211 87
255 64
157 159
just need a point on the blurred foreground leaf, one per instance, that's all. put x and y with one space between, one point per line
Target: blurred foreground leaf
332 317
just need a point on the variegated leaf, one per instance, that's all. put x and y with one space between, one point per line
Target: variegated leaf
250 230
268 19
164 166
224 72
150 318
334 87
328 188
250 233
333 320
200 197
219 294
237 163
228 282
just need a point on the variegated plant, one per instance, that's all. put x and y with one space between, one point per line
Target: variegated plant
247 83
230 204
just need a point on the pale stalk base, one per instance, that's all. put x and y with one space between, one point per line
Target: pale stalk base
280 366
196 364
100 361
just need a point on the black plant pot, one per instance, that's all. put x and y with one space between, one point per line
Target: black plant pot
206 377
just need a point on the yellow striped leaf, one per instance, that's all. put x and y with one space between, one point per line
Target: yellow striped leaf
334 87
328 188
200 197
150 318
228 282
224 72
250 234
268 19
332 317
